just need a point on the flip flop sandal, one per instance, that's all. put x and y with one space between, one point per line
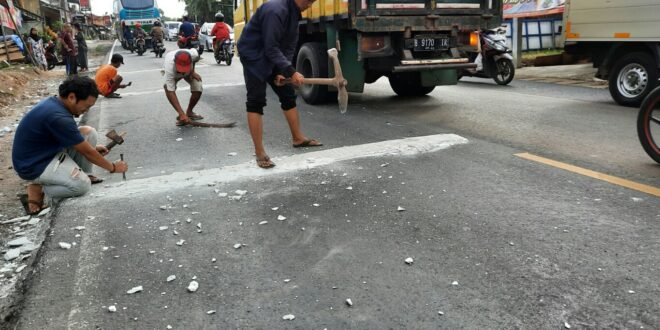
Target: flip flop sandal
94 179
265 162
26 204
195 117
308 143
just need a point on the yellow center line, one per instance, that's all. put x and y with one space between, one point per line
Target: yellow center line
593 174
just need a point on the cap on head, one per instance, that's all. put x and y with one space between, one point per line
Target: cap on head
184 59
138 25
117 58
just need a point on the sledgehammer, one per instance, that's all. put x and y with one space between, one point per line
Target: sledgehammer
115 139
337 81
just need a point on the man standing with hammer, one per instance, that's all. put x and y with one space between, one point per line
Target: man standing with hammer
53 153
267 47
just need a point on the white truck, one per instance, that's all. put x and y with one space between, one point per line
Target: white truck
623 39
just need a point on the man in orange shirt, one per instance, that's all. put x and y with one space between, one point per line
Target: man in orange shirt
107 79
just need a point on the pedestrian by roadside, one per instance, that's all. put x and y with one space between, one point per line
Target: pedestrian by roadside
107 79
36 45
82 48
53 153
267 46
69 53
180 64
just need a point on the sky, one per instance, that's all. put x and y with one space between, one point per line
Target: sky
172 8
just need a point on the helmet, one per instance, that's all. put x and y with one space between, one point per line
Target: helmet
138 25
219 17
157 23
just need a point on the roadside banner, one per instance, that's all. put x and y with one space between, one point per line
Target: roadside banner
6 9
84 5
532 8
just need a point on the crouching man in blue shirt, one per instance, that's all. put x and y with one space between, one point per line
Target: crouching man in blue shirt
267 46
53 153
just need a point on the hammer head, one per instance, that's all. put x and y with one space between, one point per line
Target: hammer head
116 138
338 80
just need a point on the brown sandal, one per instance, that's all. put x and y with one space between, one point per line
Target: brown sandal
265 162
26 204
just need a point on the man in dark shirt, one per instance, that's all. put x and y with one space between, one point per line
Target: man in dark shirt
69 50
267 46
186 29
52 152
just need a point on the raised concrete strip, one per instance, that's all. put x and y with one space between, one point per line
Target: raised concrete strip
401 147
185 88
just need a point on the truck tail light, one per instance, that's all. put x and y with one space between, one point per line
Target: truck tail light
369 44
474 39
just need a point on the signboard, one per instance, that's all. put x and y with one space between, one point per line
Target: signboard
532 8
84 5
7 9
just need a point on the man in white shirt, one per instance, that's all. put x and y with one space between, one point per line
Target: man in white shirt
180 64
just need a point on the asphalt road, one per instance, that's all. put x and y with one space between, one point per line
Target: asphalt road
498 241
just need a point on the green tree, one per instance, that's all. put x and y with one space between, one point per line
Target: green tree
204 10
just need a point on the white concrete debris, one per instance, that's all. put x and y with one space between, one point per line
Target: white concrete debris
263 222
15 220
236 197
193 286
288 317
65 245
349 302
179 243
199 225
79 228
152 251
240 192
112 309
238 246
163 228
409 261
194 212
400 209
232 154
211 312
185 206
512 243
179 139
105 248
135 290
441 313
27 248
77 236
281 217
169 327
222 194
316 204
175 232
275 208
163 207
171 278
287 280
631 291
188 220
33 221
454 283
566 325
349 188
12 254
90 217
44 212
19 242
213 260
637 199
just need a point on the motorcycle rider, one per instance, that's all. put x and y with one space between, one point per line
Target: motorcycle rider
139 32
186 30
220 31
128 36
157 33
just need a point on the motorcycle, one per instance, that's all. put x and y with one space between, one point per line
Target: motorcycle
140 46
225 52
494 60
51 56
648 124
191 42
159 48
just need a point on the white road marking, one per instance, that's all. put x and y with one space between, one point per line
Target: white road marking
185 88
401 147
112 51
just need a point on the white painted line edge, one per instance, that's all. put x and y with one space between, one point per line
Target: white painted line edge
178 180
112 51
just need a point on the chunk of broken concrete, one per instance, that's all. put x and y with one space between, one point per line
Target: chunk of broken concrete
12 254
193 286
289 317
409 261
64 245
19 242
135 290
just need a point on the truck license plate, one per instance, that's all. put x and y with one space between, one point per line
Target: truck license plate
429 44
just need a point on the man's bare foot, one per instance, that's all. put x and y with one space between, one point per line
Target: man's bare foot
265 162
35 198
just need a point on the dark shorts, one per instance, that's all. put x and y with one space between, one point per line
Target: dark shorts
256 93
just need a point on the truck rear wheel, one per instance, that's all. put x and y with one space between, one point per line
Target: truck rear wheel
312 62
408 84
632 78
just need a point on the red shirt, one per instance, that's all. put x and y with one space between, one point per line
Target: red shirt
220 31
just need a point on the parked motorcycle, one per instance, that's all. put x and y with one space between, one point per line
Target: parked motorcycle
51 56
225 53
140 46
191 42
648 124
159 48
494 60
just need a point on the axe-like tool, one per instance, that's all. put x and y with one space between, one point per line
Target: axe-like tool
337 81
115 139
